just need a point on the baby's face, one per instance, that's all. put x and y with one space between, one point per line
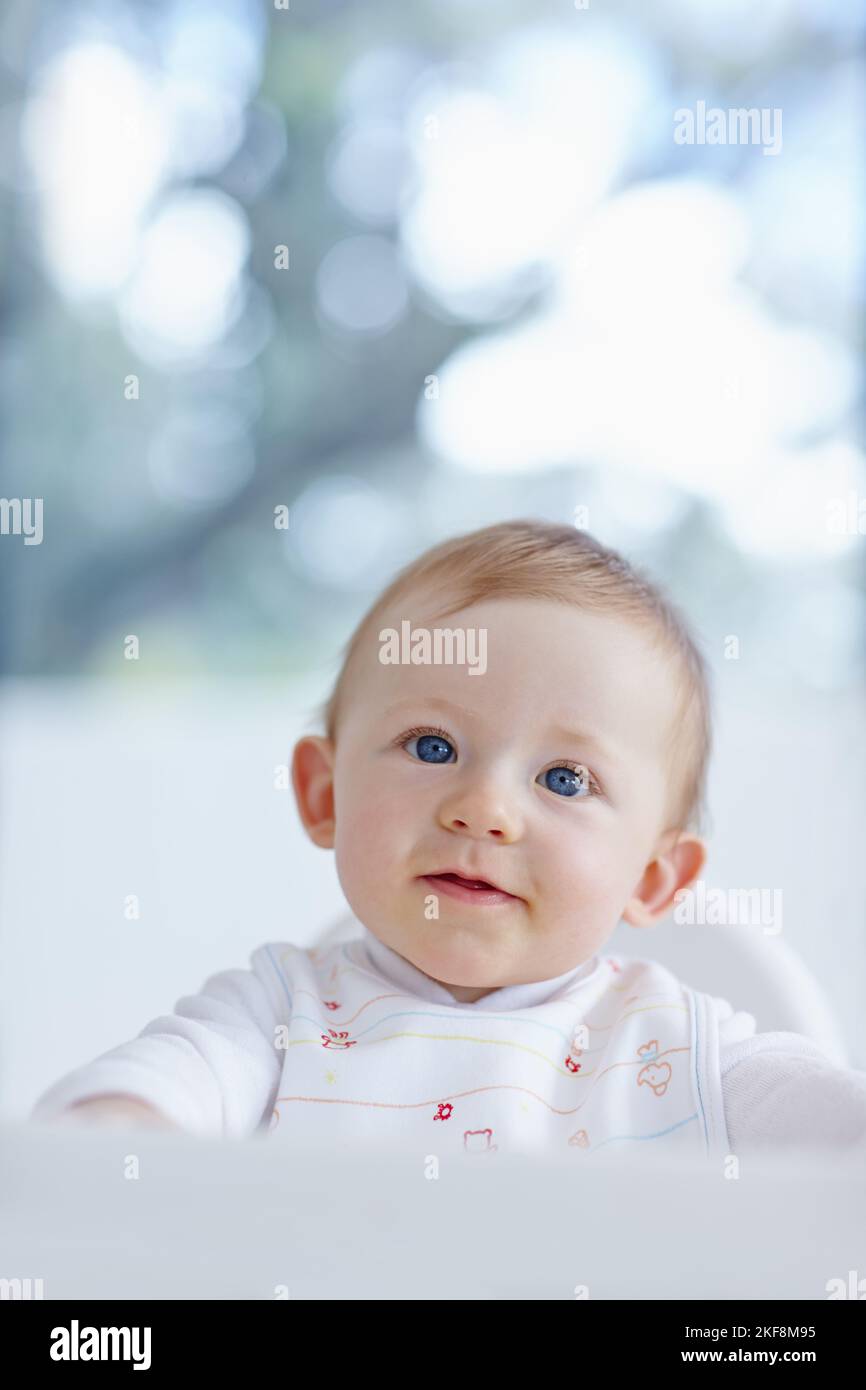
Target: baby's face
546 776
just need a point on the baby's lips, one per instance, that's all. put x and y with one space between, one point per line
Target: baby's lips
471 880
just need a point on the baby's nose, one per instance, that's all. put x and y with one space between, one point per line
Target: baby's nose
481 814
496 831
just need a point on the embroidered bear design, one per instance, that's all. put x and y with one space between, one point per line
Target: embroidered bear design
476 1141
656 1075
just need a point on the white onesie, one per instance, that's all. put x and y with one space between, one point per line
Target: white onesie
351 1044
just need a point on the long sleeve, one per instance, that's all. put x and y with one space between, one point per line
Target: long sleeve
781 1089
212 1066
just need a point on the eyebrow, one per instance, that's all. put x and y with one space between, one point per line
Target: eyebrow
579 736
586 739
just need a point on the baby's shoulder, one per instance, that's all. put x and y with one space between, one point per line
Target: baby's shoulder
287 961
637 976
629 973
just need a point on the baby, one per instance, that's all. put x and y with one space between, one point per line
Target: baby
492 821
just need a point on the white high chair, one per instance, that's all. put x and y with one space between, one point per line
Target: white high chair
759 974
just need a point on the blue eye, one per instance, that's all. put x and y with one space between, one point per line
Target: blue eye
431 748
566 781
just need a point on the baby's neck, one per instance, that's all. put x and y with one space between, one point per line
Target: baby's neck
465 994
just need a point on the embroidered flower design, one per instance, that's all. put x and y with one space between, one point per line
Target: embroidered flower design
445 1110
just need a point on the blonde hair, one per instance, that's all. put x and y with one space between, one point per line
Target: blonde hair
539 559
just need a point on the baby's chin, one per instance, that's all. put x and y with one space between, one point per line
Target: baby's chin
461 955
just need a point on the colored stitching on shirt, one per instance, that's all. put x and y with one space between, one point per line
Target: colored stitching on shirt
697 1071
584 1076
280 974
463 1037
502 1018
452 1096
510 1019
615 1138
565 998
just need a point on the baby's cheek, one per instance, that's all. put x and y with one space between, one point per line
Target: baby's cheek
588 871
370 836
360 872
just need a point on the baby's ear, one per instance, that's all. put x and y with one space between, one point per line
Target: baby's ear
313 781
679 859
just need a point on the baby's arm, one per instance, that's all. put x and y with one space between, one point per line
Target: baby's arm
211 1067
114 1110
781 1089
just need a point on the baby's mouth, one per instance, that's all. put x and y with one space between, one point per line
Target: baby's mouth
469 889
470 882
